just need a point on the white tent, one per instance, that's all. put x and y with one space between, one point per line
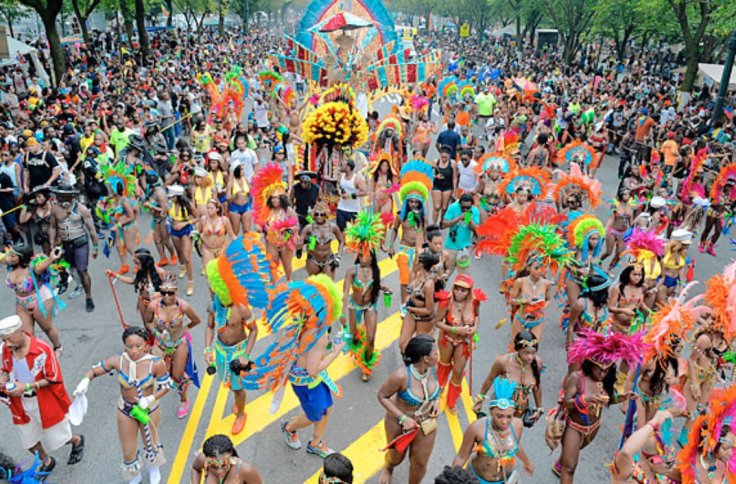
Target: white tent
715 72
16 47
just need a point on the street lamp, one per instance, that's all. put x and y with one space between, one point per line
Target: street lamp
725 78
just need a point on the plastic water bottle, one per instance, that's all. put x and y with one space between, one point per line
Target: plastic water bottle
347 338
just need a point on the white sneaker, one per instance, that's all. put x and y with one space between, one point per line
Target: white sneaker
78 291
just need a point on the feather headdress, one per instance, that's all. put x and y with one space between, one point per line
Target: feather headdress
467 89
670 324
495 161
267 182
610 348
503 393
243 273
644 243
720 294
497 231
577 151
299 315
416 181
119 174
576 180
728 172
448 86
706 433
539 242
508 143
579 231
392 121
533 178
365 233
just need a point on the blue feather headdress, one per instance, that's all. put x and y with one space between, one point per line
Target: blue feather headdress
503 393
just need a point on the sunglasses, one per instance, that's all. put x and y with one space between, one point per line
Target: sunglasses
320 214
167 293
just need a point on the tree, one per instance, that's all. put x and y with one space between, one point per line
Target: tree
618 20
693 19
11 11
49 10
572 18
194 12
140 24
83 9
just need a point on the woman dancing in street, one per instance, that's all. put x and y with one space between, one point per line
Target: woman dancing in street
239 201
173 342
35 301
494 441
215 232
182 216
143 383
419 306
146 282
318 236
457 319
411 398
516 367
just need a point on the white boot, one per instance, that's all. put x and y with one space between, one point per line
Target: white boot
154 474
136 480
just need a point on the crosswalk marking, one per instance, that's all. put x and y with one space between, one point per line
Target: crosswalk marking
386 266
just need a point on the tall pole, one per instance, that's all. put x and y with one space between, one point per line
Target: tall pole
725 78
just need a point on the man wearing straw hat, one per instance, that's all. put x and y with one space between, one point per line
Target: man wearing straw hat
32 386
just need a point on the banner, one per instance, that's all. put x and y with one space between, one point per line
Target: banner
465 30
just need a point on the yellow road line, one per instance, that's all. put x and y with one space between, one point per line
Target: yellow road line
467 400
364 453
259 415
387 268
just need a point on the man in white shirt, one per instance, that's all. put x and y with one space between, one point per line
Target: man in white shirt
467 177
244 156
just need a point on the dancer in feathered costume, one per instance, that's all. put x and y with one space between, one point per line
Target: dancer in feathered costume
647 247
533 180
240 278
122 210
416 182
300 316
709 454
585 235
273 214
457 319
362 285
491 167
587 391
483 438
576 181
384 183
577 152
720 295
389 138
723 202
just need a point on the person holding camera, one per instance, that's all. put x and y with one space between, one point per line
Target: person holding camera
72 227
143 381
462 218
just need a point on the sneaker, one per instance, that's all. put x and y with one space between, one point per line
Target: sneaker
320 450
190 288
701 247
182 410
182 271
124 269
239 424
78 291
61 288
89 305
291 438
711 250
173 260
162 263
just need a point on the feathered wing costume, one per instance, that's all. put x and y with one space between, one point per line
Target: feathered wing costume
363 237
720 295
243 275
706 433
267 183
299 315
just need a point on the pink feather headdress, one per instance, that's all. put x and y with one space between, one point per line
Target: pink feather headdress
576 179
642 244
605 349
671 323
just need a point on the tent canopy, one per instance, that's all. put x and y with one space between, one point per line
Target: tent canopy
715 72
14 48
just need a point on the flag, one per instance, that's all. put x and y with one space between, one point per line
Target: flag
165 11
728 112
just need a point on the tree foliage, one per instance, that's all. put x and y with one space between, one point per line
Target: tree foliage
11 11
49 10
572 18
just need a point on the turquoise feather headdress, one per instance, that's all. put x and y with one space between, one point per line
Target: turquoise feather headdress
503 392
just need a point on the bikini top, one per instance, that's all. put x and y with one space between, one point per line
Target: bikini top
490 450
323 240
178 215
237 188
357 283
175 321
452 321
208 230
670 262
410 399
24 287
203 194
590 319
130 379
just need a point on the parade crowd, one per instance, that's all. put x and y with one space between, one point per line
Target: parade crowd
192 161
